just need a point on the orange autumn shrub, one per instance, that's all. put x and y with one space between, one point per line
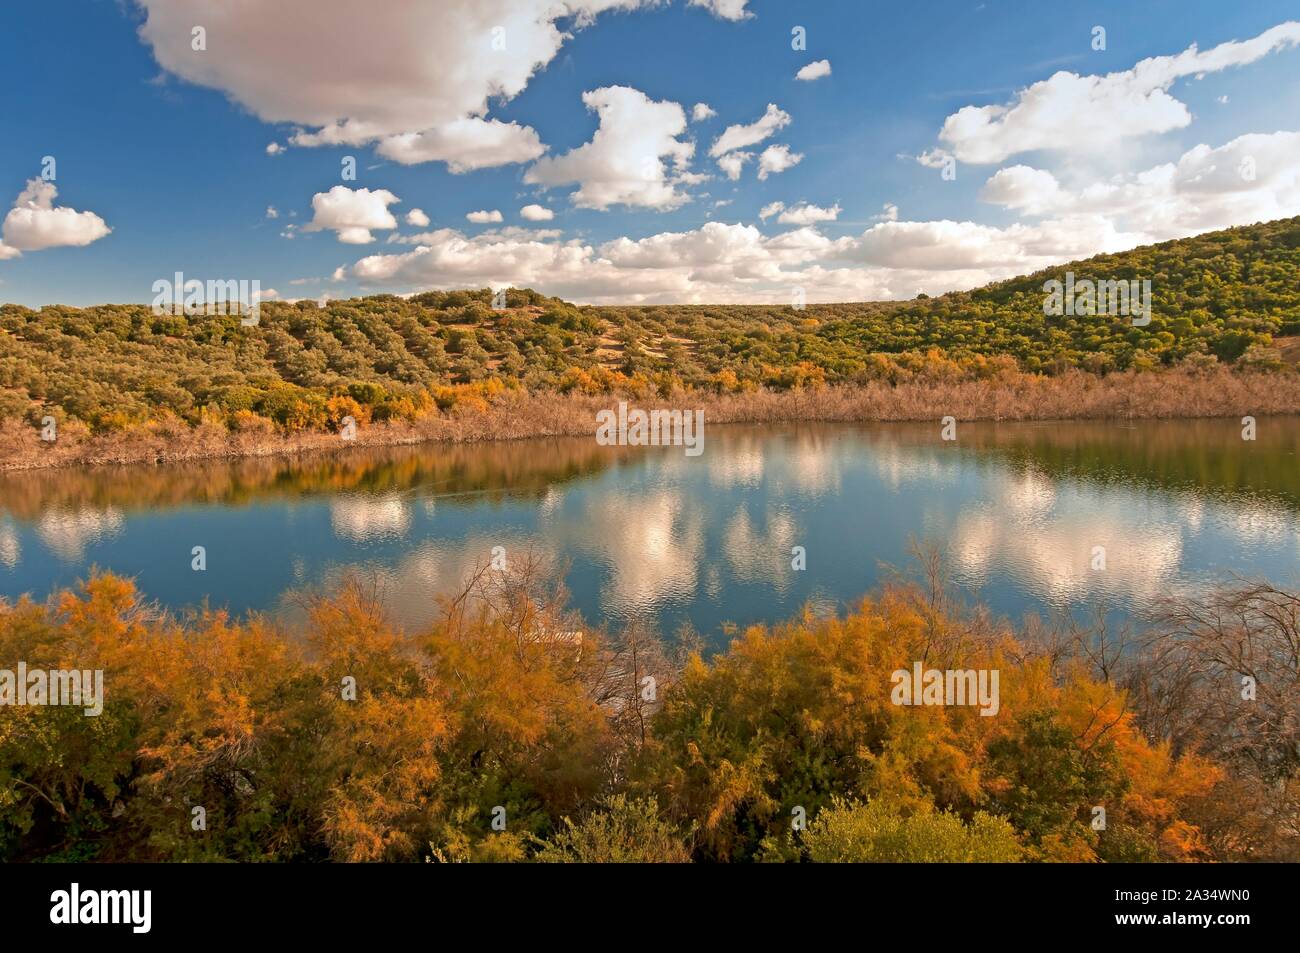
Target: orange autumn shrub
355 741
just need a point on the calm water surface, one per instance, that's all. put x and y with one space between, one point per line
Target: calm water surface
653 534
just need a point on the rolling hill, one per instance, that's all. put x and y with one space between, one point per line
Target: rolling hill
1219 297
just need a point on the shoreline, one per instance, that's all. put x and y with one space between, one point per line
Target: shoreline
1073 395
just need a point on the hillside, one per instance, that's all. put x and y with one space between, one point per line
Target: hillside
1222 296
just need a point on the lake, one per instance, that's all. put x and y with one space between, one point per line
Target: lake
1017 509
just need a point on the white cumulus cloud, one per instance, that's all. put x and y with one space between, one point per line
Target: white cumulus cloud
1072 112
536 213
814 71
805 214
624 163
1025 189
1253 178
36 223
464 144
733 163
352 213
417 79
731 263
724 9
777 159
742 135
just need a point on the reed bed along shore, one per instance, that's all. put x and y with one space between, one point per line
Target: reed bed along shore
515 415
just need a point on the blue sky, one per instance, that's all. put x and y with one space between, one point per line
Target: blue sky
172 159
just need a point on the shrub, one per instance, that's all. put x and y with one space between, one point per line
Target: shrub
876 832
366 392
1262 357
619 831
293 408
249 422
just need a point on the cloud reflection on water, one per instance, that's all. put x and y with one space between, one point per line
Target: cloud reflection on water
655 535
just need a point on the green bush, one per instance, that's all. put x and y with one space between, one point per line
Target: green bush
619 831
875 832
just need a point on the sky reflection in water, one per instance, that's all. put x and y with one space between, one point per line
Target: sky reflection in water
652 534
